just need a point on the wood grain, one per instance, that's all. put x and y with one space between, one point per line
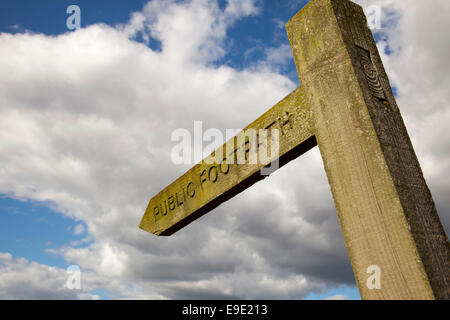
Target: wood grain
385 208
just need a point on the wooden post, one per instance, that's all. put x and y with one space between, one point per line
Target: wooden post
385 208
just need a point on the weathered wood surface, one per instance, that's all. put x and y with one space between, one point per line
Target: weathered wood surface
213 181
385 208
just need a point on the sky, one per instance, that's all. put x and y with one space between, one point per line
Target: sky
85 123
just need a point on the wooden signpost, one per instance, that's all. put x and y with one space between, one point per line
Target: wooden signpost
344 105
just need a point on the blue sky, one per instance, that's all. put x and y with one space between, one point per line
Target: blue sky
80 160
250 35
28 228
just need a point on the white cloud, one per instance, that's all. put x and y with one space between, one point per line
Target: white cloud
22 279
85 123
242 8
78 230
275 58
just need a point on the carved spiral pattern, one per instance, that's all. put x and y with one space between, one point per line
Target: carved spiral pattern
371 75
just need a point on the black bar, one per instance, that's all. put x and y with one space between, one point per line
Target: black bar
223 309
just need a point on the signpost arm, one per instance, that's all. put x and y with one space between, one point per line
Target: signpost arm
217 179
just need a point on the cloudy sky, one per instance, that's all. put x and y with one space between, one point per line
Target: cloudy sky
85 123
